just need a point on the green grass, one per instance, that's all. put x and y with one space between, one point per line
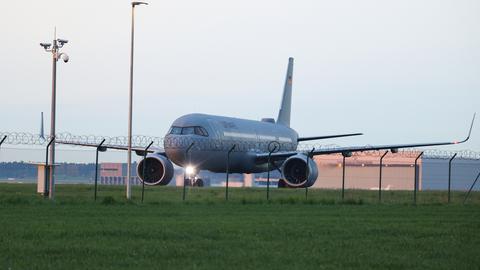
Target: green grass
205 232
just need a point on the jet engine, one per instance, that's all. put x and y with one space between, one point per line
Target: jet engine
158 170
299 171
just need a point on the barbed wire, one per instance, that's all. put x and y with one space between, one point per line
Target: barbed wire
140 141
25 138
405 152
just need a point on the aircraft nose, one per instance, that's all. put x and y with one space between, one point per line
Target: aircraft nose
178 142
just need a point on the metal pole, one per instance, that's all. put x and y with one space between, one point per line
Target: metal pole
468 193
268 176
415 184
343 178
144 169
130 104
96 169
270 151
228 170
268 171
310 155
380 178
51 193
130 110
450 175
56 45
1 142
185 173
46 182
306 193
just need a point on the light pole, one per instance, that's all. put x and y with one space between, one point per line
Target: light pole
130 105
56 55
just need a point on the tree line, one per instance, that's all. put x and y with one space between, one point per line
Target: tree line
23 170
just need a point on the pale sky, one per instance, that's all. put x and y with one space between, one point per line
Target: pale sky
398 71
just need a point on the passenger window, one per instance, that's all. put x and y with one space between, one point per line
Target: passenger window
188 131
176 130
201 131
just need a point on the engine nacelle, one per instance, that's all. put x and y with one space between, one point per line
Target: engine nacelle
158 170
299 171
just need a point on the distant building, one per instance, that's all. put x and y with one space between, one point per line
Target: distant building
361 172
116 174
464 171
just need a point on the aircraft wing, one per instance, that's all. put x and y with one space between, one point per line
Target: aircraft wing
301 139
347 151
138 150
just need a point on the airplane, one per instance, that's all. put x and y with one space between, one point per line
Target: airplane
211 142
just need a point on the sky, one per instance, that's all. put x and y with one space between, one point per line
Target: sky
398 71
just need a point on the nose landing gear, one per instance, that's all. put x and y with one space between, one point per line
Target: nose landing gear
195 182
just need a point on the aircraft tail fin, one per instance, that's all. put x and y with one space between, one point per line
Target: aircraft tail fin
285 106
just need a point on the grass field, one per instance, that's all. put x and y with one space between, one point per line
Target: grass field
205 232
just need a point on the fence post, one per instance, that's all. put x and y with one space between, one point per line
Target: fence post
415 183
470 190
344 155
228 170
185 173
145 168
310 155
99 149
4 137
270 151
343 177
268 175
380 178
47 170
450 175
1 142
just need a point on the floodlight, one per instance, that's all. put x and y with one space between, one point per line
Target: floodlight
62 41
46 46
139 3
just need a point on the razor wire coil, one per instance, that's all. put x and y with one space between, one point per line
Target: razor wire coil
140 141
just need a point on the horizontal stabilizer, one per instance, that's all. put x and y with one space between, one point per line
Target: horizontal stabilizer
301 139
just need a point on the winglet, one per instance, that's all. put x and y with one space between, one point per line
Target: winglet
470 131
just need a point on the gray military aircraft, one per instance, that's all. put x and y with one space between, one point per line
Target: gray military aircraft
205 142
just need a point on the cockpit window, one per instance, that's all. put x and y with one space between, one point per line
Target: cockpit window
201 131
188 131
176 130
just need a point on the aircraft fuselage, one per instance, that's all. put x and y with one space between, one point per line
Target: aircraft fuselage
213 136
